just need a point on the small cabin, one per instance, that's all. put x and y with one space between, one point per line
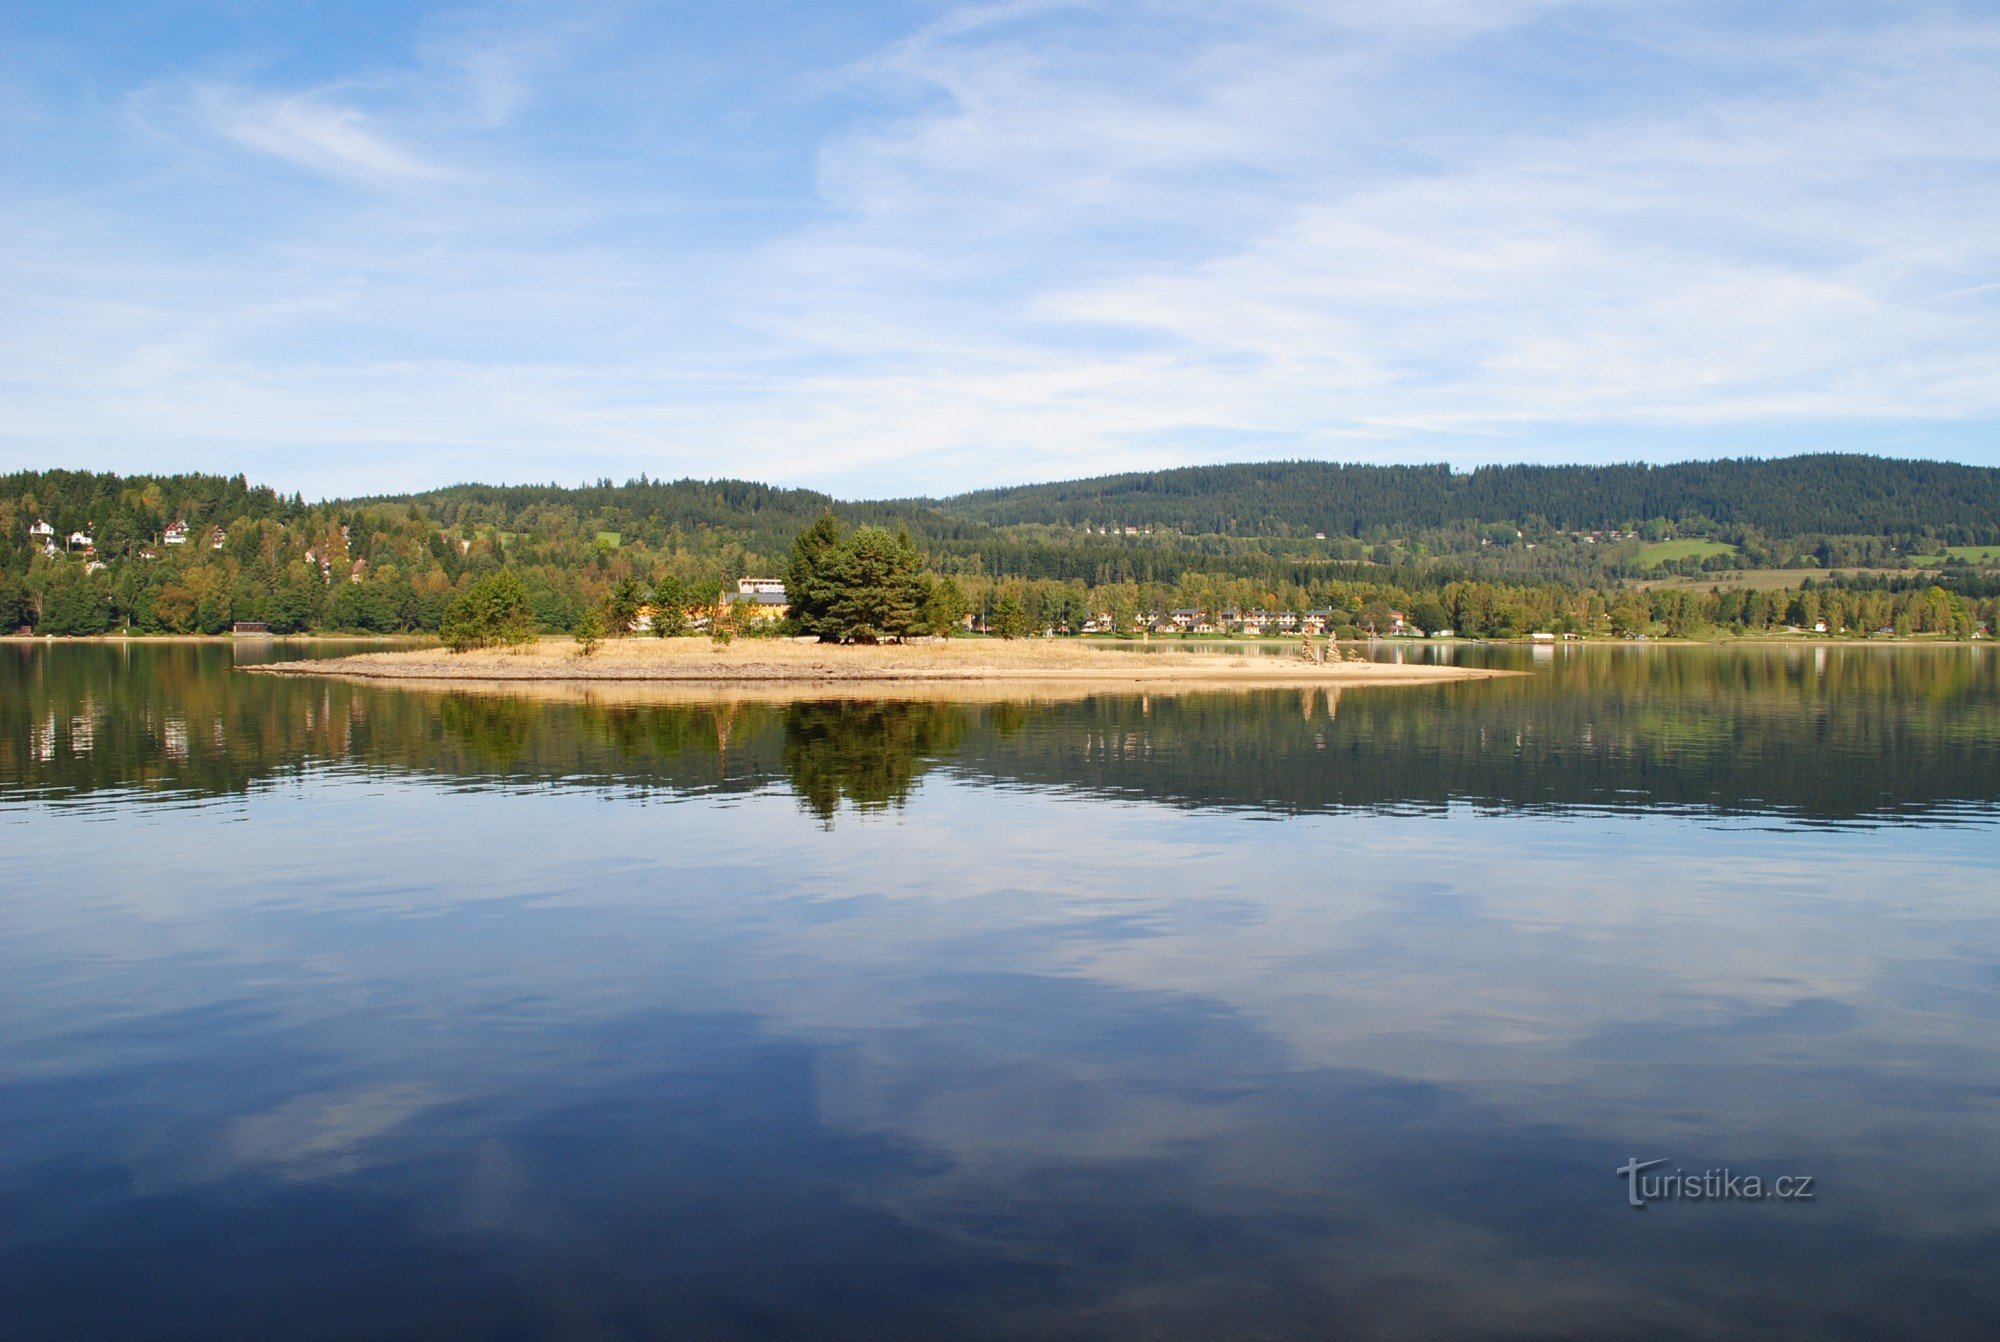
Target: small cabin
176 534
250 629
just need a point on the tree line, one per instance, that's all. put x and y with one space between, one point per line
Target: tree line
1828 493
601 551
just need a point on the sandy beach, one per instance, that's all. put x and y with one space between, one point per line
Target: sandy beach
776 663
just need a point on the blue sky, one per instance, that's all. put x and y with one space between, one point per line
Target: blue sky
918 247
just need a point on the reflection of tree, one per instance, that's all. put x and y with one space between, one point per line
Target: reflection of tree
1830 733
870 753
1816 733
494 732
1007 719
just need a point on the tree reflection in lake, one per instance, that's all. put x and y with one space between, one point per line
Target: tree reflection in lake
869 754
1812 734
380 1012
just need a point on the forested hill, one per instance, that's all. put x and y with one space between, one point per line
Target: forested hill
1789 496
759 516
83 552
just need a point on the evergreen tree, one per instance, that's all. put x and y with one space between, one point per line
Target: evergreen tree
1008 620
877 588
589 631
622 607
808 578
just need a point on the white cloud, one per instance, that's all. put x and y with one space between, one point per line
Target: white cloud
1062 238
1773 254
311 133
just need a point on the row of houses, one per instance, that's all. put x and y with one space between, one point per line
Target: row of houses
175 534
1259 623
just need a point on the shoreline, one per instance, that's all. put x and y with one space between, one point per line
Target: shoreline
234 639
765 663
430 641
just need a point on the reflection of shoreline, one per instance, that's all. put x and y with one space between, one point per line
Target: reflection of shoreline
1804 736
792 670
210 640
611 693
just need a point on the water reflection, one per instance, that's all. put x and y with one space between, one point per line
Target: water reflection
1790 734
1166 1016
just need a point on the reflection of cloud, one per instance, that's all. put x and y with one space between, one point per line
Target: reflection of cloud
494 1189
326 1134
1378 1063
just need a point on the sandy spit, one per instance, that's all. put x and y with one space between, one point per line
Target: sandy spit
774 663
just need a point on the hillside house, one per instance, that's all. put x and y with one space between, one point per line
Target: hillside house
79 541
765 597
41 530
176 534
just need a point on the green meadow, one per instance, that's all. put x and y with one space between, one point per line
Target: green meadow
1664 552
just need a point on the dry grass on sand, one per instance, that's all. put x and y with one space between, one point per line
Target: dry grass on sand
694 661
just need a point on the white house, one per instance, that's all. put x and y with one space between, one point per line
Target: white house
176 533
41 530
77 540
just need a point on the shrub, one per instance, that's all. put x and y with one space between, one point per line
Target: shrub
494 611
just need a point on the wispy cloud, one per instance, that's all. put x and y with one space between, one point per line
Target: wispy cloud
309 131
1026 239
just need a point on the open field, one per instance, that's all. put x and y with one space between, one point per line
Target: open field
1761 579
1971 554
750 662
1666 551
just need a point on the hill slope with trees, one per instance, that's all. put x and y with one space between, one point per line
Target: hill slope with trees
1490 552
1790 496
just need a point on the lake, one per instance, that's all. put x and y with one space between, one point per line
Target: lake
337 1011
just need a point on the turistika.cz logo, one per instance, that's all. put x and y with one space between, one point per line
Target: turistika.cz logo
1724 1185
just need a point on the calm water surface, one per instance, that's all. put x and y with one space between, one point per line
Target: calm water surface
343 1012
